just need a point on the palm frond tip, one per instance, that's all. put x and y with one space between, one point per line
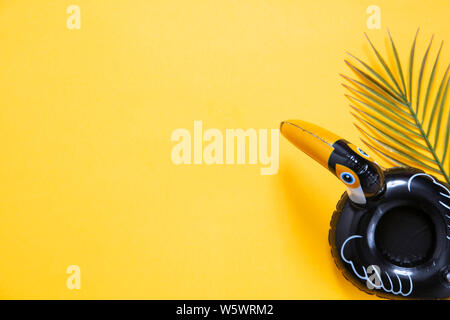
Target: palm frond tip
403 117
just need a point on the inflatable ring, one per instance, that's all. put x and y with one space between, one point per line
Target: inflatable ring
390 233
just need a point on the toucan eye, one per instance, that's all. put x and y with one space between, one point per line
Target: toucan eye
363 153
347 177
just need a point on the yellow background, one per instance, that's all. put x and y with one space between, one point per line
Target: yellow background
86 117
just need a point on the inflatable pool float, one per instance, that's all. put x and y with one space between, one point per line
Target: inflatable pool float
390 233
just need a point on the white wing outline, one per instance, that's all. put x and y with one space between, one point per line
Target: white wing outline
441 193
365 277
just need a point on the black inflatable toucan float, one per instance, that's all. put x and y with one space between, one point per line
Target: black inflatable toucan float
390 233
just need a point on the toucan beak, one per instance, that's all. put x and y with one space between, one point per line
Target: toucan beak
311 139
338 156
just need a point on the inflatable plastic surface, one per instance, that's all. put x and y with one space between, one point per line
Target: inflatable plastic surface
390 233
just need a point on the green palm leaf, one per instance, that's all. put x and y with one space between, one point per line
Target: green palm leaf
403 117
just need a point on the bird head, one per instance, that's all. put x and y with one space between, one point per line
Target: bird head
360 173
